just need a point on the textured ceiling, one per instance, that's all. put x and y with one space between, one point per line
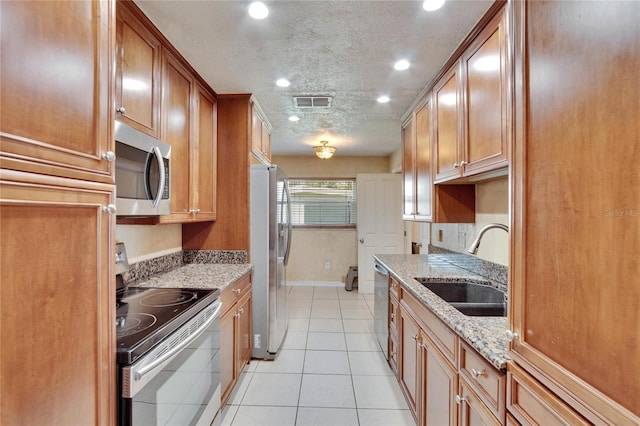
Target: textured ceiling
344 49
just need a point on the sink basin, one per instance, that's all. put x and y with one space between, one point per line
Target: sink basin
469 298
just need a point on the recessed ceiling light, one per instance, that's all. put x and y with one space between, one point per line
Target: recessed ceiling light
258 10
431 5
294 118
402 65
383 99
283 82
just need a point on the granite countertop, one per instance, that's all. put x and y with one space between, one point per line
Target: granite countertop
487 335
198 275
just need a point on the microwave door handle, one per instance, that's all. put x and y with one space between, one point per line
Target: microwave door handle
138 374
161 181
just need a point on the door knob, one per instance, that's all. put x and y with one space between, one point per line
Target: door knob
361 240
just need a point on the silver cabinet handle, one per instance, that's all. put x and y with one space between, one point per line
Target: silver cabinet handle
475 373
110 209
511 335
415 337
456 165
110 156
463 163
236 290
241 311
459 399
122 110
393 316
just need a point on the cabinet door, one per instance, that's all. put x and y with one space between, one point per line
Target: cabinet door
205 156
485 76
423 178
256 132
408 169
58 341
266 142
227 345
137 73
409 373
447 133
244 332
439 387
176 112
576 215
472 411
55 75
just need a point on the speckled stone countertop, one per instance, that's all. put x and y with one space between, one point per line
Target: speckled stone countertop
485 334
198 275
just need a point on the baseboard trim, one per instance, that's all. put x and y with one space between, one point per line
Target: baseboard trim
315 283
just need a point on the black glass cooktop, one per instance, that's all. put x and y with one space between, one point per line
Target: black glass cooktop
145 316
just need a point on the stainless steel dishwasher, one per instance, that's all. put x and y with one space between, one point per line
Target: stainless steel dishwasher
381 306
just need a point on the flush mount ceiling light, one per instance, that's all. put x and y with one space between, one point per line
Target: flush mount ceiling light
431 5
294 118
283 82
383 99
324 151
401 65
258 10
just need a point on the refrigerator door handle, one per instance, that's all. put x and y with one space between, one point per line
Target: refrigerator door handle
288 195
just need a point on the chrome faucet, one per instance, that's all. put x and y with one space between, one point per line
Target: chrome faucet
473 249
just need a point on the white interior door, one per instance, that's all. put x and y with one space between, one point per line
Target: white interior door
380 224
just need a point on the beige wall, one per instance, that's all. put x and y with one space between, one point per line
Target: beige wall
311 248
148 241
492 205
336 167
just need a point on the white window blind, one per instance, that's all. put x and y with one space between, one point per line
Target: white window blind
323 202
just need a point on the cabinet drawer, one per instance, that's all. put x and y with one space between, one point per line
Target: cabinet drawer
234 292
444 338
393 313
530 403
488 382
472 410
394 288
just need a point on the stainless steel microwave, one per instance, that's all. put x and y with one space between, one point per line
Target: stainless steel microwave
143 170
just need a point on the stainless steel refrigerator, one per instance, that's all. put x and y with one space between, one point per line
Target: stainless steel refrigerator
270 244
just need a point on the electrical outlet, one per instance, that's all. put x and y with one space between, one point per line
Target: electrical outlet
257 341
327 265
440 235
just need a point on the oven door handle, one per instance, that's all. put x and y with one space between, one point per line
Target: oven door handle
139 374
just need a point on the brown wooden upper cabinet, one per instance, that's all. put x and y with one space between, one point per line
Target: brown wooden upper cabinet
408 169
423 200
189 126
51 123
260 134
486 104
472 107
138 72
447 115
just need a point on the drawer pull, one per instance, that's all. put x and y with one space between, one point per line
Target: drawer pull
415 337
511 336
236 290
475 373
459 399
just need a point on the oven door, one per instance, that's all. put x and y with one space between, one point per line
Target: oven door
178 382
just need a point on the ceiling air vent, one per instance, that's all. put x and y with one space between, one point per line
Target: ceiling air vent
313 102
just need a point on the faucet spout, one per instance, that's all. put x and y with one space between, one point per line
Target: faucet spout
473 249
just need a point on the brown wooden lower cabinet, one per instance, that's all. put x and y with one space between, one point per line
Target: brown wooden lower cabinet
530 403
445 381
57 363
235 334
472 410
439 385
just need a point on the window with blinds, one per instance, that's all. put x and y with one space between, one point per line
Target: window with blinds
323 202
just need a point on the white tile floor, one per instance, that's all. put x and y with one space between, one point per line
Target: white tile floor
329 372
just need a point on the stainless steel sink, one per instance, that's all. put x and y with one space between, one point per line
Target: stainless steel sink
469 298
